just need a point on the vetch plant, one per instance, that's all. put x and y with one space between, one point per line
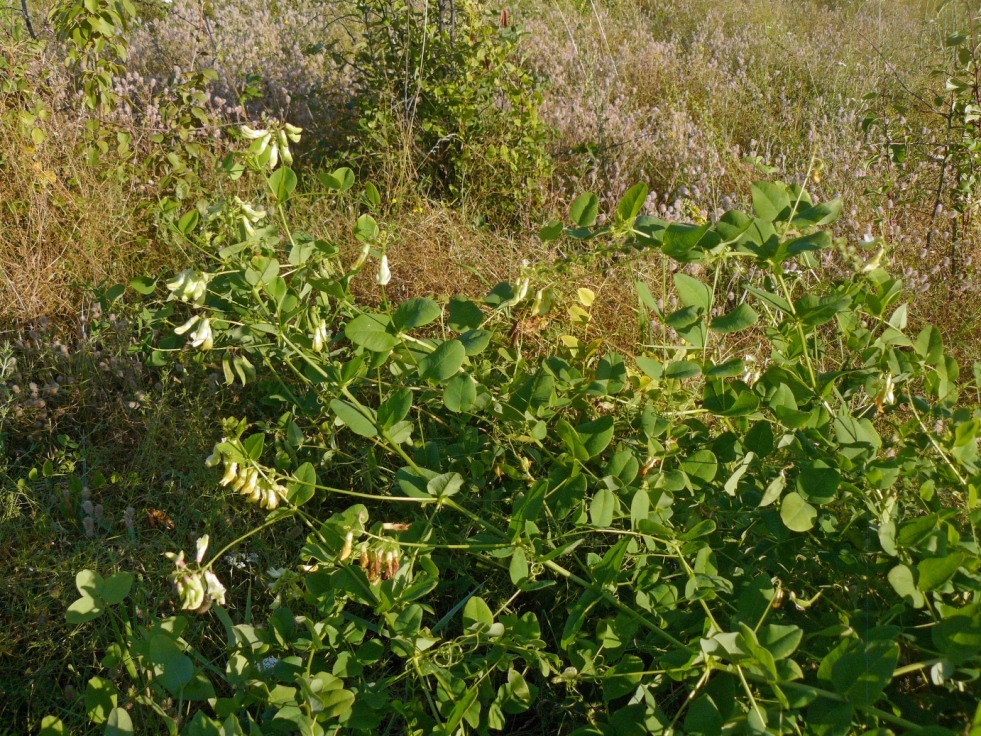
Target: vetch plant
504 536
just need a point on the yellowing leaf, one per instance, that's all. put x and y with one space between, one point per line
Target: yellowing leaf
586 297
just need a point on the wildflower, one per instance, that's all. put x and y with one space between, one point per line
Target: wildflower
384 274
187 325
202 548
191 591
886 395
874 262
284 148
252 134
231 471
522 290
216 591
202 337
189 286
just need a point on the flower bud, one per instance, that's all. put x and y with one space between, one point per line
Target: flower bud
384 274
251 134
202 548
346 549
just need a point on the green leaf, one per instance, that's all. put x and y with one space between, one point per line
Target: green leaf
797 514
88 583
460 709
596 435
83 610
337 702
781 640
188 222
366 229
901 579
341 180
933 572
651 367
353 418
476 611
863 672
770 201
585 210
395 408
281 183
818 484
172 668
693 293
680 239
701 466
551 231
464 314
823 213
118 723
703 716
143 285
253 445
631 203
116 587
415 313
460 393
370 331
518 569
100 699
371 194
302 488
623 678
773 490
444 485
929 345
602 508
444 362
681 369
52 726
740 318
475 341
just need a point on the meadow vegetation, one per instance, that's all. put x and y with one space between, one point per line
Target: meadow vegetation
593 368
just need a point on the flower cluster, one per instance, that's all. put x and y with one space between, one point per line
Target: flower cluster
249 481
190 285
199 587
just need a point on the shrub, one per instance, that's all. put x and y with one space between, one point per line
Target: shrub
764 524
445 103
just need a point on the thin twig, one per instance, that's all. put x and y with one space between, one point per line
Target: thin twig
27 19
